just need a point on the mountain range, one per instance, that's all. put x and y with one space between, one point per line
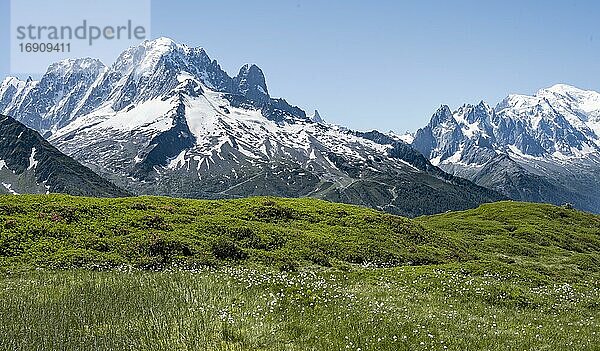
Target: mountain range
165 119
540 148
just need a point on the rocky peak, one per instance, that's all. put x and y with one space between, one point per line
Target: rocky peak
252 84
441 116
317 117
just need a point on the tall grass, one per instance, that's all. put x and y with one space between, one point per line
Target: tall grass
423 308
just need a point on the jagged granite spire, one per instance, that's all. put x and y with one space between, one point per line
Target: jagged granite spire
252 84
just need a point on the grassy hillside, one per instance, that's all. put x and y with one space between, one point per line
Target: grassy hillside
541 240
65 232
277 274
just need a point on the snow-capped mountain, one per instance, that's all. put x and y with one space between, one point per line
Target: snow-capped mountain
29 164
166 119
544 147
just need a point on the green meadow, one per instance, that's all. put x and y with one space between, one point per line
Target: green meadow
152 273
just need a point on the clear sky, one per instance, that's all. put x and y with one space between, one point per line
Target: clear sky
388 64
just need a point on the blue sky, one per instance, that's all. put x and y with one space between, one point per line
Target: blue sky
388 64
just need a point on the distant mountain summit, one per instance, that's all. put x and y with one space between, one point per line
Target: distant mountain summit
543 148
317 118
29 165
165 119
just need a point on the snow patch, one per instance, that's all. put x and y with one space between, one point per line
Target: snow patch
407 138
32 161
9 188
178 161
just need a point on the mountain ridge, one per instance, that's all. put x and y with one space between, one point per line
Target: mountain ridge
548 144
29 164
165 119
